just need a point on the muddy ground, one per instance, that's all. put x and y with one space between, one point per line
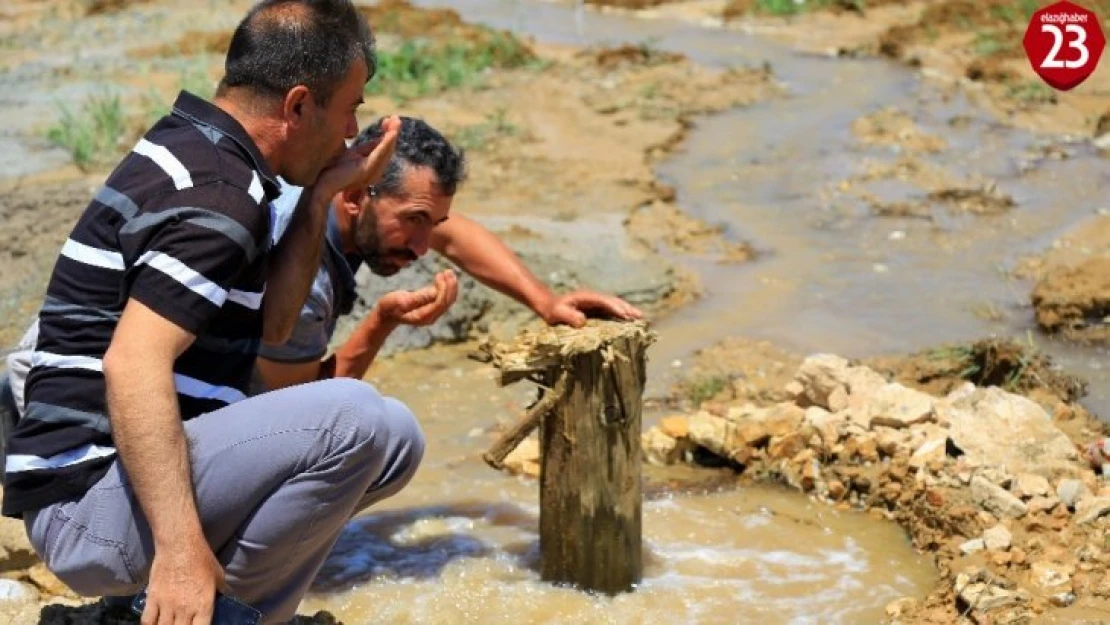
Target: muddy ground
582 152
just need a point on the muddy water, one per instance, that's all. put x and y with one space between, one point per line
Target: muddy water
460 543
833 277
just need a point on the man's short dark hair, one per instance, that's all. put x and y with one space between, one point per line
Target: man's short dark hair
418 145
284 43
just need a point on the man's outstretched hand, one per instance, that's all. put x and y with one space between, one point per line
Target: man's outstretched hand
423 306
574 308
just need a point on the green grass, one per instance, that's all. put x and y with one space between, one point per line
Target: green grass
91 133
1032 93
794 7
1017 13
421 68
495 126
987 43
704 388
101 128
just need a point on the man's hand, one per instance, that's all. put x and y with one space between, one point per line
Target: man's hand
361 165
421 307
183 585
572 309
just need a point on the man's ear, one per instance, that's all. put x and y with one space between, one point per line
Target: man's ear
350 200
297 106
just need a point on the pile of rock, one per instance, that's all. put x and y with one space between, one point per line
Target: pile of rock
982 478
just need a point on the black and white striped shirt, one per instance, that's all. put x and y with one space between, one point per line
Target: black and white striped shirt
183 226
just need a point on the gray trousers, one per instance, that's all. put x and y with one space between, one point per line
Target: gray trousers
276 477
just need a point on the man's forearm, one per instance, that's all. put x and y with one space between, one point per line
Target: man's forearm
293 266
355 356
479 252
150 439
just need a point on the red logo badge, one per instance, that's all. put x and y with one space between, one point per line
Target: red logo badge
1064 42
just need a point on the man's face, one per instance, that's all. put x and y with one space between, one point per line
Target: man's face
392 231
322 141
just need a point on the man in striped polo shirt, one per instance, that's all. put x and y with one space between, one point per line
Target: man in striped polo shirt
139 460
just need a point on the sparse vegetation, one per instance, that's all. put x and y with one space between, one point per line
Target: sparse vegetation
702 388
496 126
420 68
91 133
1032 93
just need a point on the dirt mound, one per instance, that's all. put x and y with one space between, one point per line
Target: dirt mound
97 7
1075 300
193 42
612 58
1012 366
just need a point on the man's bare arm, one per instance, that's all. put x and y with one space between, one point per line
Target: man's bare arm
150 438
479 252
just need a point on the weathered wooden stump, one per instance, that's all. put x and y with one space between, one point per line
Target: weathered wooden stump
589 421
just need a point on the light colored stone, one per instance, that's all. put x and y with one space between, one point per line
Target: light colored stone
1042 504
983 597
1071 491
1031 442
1029 485
1050 577
895 406
819 376
661 449
525 459
786 446
1091 508
825 423
13 593
714 433
675 426
900 607
995 499
838 399
929 451
783 419
998 538
891 440
972 546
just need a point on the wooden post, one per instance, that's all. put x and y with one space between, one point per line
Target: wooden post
589 420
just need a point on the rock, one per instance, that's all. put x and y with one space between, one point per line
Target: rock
1038 505
661 449
1032 443
900 607
1029 485
896 406
837 489
995 499
1070 491
890 440
749 427
675 426
13 593
930 450
984 597
819 376
782 419
525 459
1050 577
720 436
997 538
1062 599
868 449
825 423
972 546
1091 508
47 582
786 446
